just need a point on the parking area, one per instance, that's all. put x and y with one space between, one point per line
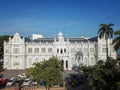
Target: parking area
12 73
11 78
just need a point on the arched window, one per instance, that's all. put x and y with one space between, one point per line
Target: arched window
62 63
61 51
85 61
57 50
66 64
92 61
64 50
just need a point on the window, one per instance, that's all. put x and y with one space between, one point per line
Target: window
16 63
16 50
104 50
57 50
92 61
49 50
62 63
85 62
43 50
29 50
61 51
66 64
64 50
91 50
36 50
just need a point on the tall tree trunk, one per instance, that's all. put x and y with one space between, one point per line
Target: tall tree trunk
106 48
110 48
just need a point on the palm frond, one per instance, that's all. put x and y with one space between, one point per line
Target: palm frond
101 35
111 24
117 32
116 43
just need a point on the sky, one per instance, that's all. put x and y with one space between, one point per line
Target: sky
74 18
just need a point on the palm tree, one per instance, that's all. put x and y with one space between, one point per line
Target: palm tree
116 41
106 32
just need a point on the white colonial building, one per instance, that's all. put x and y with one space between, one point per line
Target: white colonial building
21 53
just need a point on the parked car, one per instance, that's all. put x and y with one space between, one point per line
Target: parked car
27 82
22 75
3 81
43 83
34 82
11 81
19 82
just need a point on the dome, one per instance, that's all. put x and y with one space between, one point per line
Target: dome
60 34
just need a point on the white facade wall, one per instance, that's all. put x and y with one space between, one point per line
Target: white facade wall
19 54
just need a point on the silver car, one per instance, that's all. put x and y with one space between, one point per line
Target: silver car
11 81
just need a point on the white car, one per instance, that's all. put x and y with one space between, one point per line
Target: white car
27 82
34 82
22 75
11 81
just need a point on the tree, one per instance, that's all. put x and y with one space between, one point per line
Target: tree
116 41
49 71
103 76
107 32
2 39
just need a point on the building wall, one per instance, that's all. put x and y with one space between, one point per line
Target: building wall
19 54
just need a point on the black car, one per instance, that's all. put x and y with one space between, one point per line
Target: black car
1 75
18 82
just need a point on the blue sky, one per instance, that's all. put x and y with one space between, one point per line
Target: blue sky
48 17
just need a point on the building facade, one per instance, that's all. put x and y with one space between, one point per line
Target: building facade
21 53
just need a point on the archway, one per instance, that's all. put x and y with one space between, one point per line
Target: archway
92 61
85 63
66 64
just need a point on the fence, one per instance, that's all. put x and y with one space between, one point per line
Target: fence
33 88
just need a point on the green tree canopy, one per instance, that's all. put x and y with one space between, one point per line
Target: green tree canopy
2 39
103 76
49 71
